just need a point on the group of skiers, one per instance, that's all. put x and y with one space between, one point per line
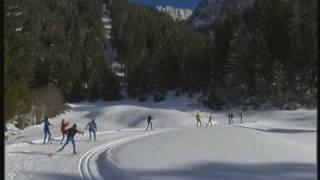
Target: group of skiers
199 120
69 133
91 126
230 119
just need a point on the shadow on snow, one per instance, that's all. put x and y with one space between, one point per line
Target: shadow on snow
221 170
53 176
281 130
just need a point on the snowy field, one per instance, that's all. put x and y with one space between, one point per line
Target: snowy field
270 144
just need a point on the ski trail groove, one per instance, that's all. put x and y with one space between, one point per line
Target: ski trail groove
87 167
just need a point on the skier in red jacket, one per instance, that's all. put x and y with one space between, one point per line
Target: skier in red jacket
64 125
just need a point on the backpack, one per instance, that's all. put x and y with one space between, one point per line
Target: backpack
72 132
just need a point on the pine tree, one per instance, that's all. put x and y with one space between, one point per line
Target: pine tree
17 61
303 48
110 86
238 57
279 77
263 65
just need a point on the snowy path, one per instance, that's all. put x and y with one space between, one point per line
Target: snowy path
122 155
88 166
37 161
221 152
269 145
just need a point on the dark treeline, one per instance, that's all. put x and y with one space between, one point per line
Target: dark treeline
158 53
56 48
266 54
55 52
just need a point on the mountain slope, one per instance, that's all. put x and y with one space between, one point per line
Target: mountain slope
209 11
176 13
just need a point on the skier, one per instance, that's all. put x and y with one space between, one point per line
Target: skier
198 119
231 117
64 125
241 121
210 121
149 122
71 132
92 128
46 129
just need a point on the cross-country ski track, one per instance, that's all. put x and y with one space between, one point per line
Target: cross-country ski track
270 144
87 165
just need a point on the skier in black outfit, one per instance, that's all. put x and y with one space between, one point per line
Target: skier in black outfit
230 118
210 121
149 122
70 137
241 121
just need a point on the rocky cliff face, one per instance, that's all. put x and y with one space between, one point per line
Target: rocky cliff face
209 11
177 13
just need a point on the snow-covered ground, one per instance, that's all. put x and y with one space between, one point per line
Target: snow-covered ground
270 144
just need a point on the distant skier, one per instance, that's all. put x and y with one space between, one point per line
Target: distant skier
230 118
92 126
64 125
210 121
198 119
149 122
71 132
46 130
241 121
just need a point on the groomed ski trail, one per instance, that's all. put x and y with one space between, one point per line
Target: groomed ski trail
87 165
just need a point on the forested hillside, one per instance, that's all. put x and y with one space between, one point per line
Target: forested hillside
56 48
54 53
159 54
263 53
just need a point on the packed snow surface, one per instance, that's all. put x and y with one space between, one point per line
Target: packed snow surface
270 144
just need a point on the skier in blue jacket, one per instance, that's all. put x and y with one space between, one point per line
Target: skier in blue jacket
46 130
92 126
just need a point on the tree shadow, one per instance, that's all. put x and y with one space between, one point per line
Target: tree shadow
303 118
92 114
84 107
211 171
289 131
281 130
87 106
32 143
49 154
222 170
52 176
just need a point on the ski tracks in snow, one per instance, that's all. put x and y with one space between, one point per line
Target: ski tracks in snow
48 159
88 162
